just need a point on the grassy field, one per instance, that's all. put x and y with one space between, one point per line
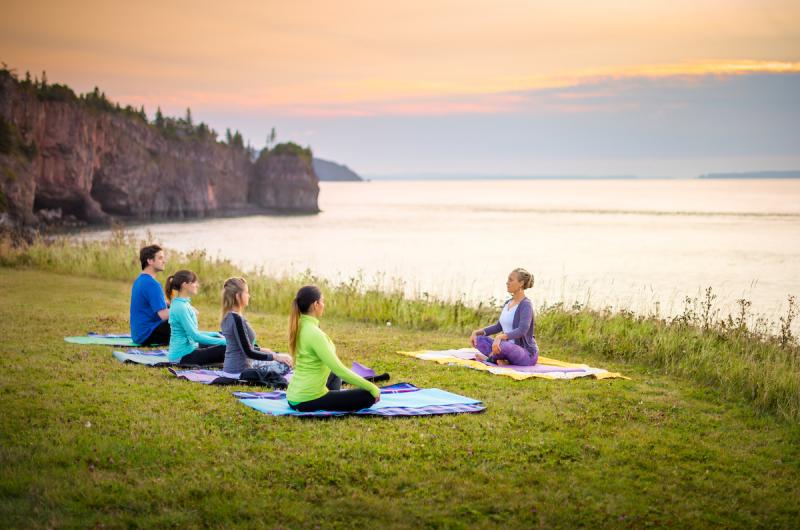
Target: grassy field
87 442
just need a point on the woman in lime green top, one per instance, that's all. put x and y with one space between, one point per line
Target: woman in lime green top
315 359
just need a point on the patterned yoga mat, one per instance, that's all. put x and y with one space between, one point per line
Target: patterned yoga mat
546 368
402 399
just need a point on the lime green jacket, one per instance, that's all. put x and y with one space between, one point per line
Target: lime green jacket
315 359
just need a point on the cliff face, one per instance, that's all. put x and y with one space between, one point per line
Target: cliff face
94 164
284 182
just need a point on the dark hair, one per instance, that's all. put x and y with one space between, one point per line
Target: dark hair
148 253
175 281
302 302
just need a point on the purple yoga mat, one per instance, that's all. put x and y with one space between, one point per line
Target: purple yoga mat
363 371
538 368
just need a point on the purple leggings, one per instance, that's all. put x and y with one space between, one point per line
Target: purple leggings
509 351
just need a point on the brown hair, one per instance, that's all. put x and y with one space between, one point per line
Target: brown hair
231 290
524 276
175 281
302 302
148 253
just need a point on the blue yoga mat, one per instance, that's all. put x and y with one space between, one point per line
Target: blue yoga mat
423 398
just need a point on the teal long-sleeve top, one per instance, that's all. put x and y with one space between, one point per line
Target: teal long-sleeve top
315 359
185 337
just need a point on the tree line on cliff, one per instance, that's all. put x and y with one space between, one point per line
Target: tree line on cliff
171 127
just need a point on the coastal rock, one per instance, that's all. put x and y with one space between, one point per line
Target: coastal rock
285 182
95 164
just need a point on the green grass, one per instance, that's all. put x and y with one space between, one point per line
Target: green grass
742 361
86 441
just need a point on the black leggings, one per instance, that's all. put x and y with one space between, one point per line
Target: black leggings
159 336
341 400
205 355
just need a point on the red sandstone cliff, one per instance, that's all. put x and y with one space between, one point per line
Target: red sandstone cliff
94 164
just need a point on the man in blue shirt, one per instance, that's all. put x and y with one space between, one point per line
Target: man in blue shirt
149 310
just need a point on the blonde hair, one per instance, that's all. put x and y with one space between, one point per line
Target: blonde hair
306 296
231 289
524 276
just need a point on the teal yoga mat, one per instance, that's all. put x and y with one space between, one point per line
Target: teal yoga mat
102 341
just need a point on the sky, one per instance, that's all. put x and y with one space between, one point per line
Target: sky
649 88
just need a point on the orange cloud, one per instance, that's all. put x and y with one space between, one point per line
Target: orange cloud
408 98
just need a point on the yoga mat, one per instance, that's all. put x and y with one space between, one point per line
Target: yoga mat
102 340
368 373
419 402
207 377
155 358
546 368
146 357
396 388
213 377
220 377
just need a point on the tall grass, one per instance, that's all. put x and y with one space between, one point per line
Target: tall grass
117 258
743 361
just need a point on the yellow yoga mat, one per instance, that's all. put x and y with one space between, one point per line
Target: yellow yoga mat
546 368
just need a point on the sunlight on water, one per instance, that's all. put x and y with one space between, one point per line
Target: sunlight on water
643 245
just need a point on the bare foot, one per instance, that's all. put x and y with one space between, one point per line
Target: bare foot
502 362
480 357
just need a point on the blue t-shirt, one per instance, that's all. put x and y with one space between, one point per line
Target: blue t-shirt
147 299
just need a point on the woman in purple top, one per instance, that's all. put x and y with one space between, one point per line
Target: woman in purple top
514 341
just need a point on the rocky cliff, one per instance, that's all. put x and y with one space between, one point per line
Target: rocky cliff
61 154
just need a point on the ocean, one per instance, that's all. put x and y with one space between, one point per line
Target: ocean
643 245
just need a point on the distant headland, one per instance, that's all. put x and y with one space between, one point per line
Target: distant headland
331 171
754 175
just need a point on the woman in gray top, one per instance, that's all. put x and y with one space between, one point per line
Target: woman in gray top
240 351
514 341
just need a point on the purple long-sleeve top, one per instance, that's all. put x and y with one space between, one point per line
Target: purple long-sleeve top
524 324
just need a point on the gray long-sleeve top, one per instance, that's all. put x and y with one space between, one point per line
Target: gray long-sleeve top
239 349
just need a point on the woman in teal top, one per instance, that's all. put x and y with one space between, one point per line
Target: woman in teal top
315 359
187 344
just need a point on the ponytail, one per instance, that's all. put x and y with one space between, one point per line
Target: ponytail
300 305
168 287
294 326
175 281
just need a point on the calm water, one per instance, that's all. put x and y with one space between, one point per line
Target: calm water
636 244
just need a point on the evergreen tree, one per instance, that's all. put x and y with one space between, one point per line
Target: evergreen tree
159 121
189 117
228 136
238 141
44 79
